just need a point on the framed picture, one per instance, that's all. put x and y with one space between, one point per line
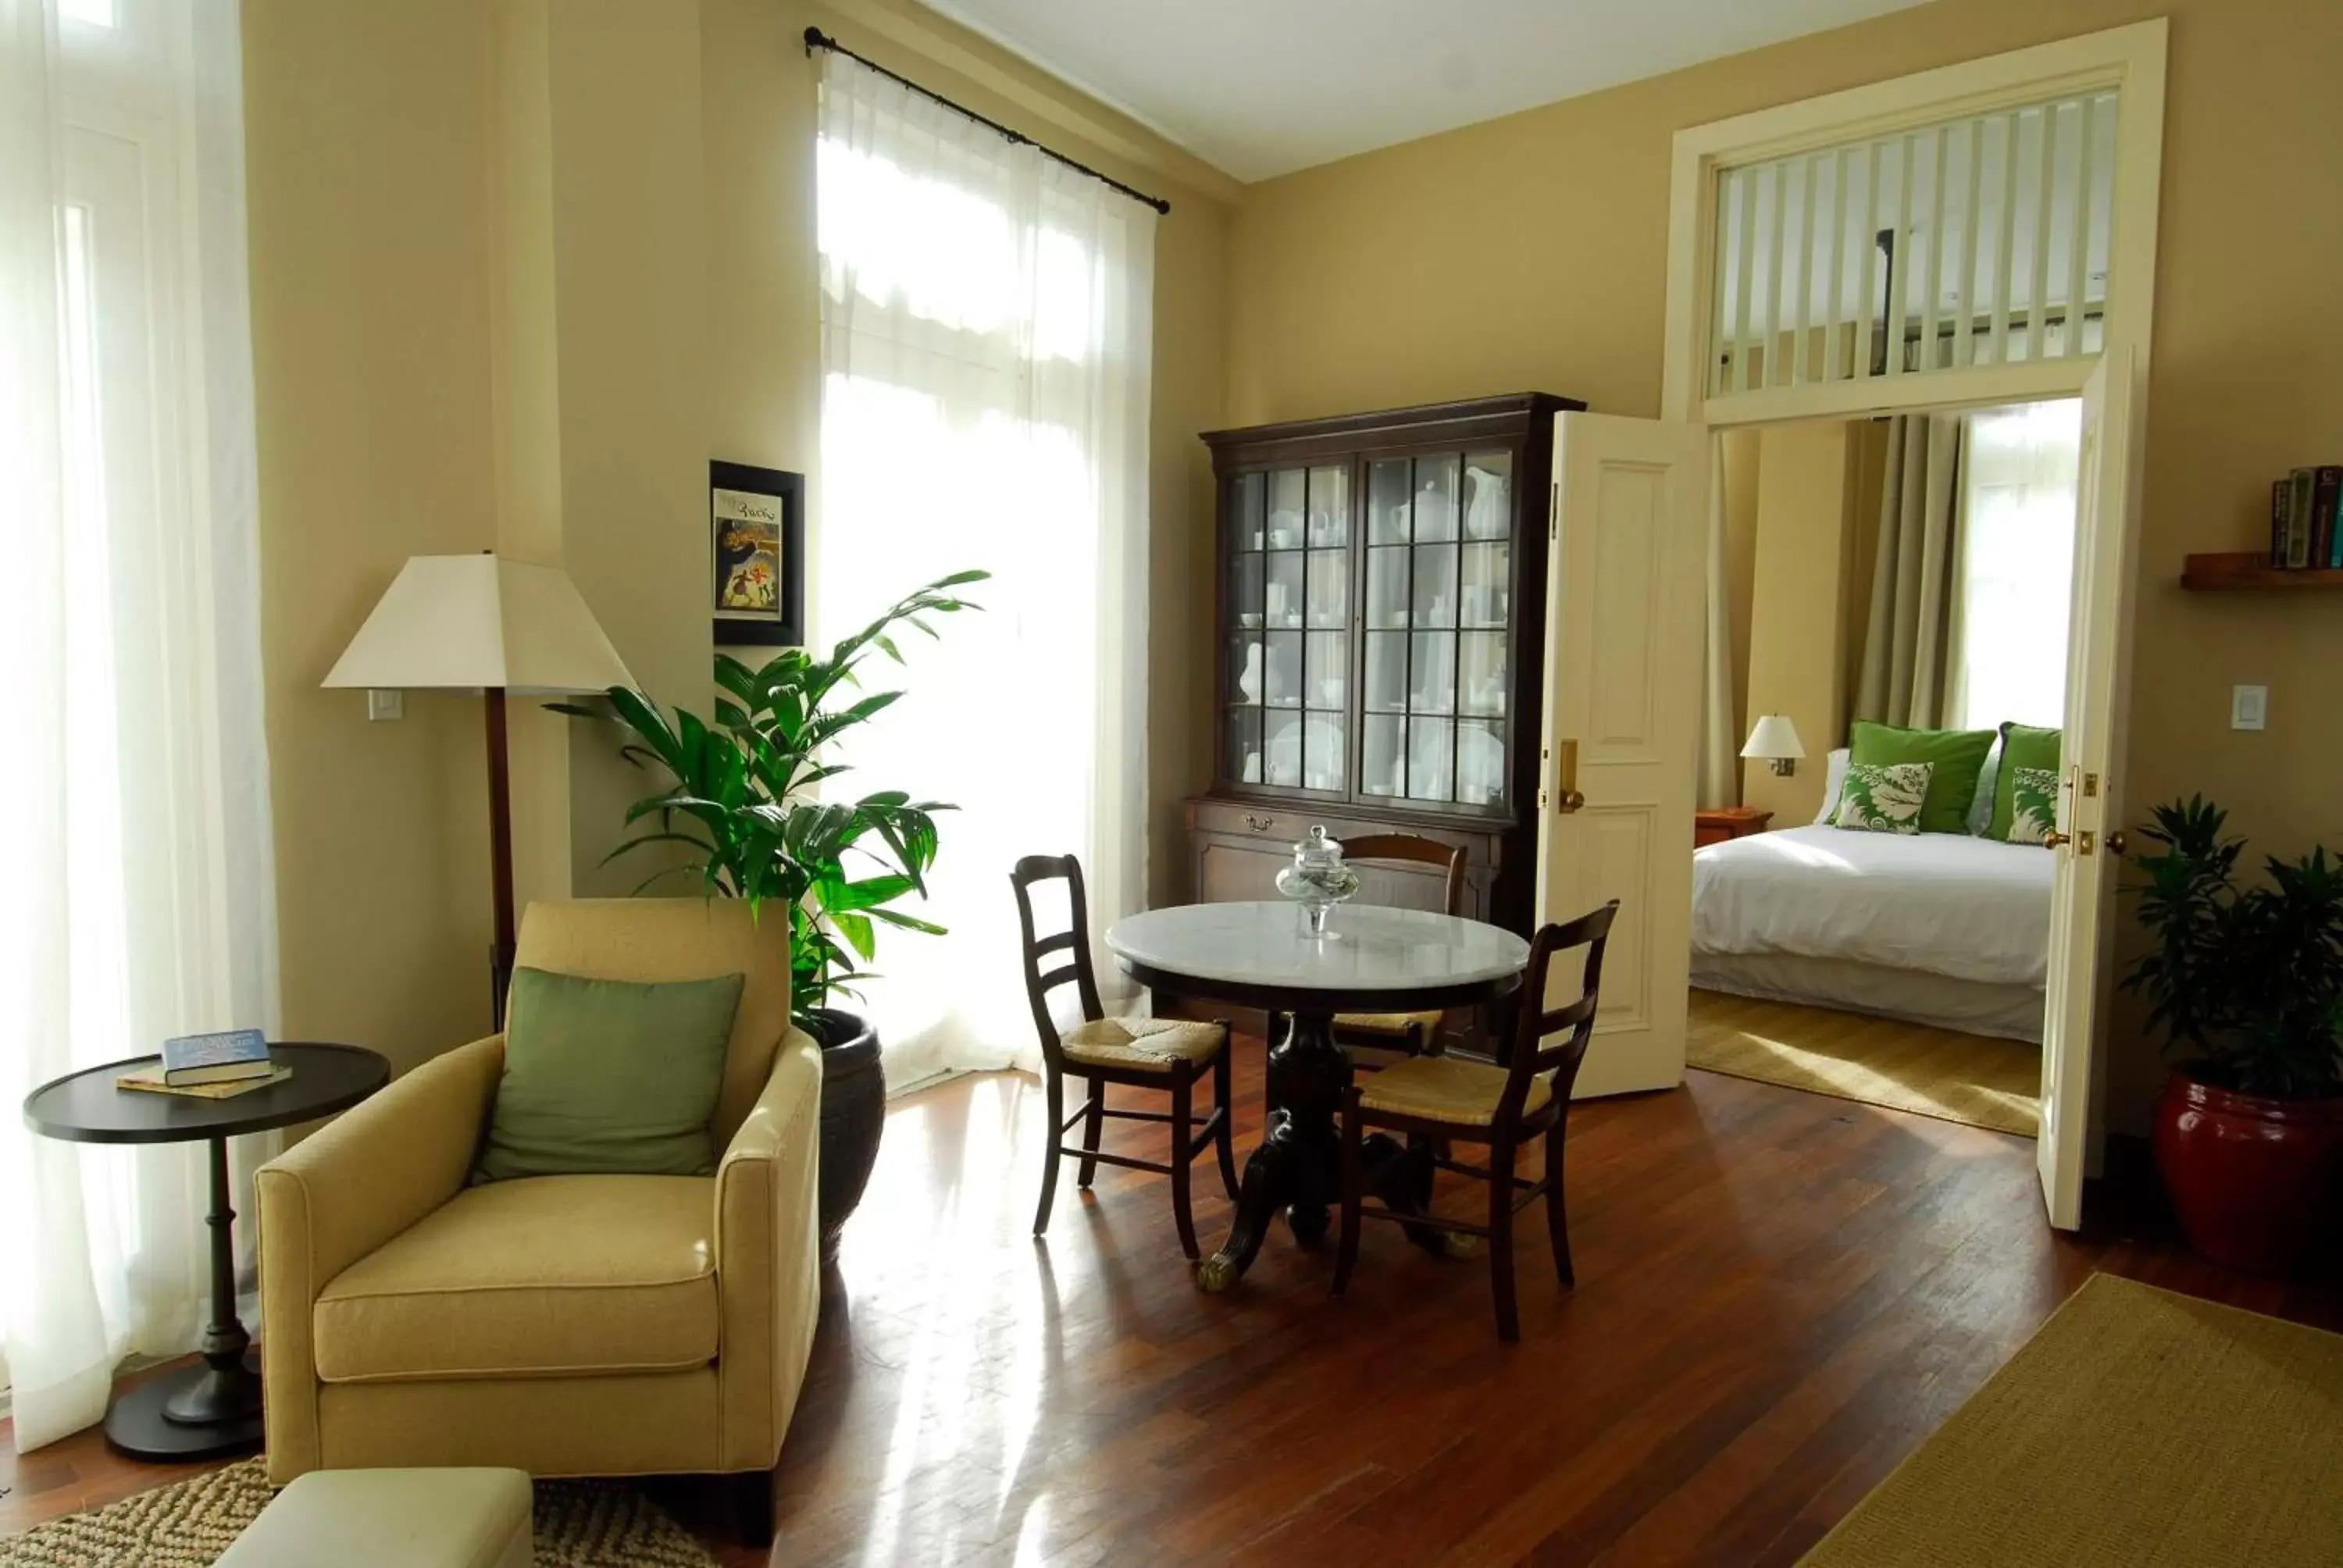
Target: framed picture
756 522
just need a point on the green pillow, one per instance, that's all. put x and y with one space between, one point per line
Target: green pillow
609 1077
1957 756
1883 797
2022 746
2033 808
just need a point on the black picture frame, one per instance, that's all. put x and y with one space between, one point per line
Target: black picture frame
783 626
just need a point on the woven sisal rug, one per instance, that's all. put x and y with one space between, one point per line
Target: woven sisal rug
188 1523
2138 1429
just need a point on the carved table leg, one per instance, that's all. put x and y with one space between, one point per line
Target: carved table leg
1298 1166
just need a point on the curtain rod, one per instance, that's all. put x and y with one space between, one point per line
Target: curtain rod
815 38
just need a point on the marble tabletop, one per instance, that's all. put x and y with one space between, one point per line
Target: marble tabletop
1367 946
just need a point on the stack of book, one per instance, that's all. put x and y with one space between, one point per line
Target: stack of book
209 1066
2306 519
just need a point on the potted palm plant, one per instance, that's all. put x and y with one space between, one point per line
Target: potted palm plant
739 813
2245 984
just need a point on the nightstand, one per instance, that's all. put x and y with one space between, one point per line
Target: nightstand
1732 822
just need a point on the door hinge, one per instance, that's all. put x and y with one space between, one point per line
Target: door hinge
1542 799
2090 789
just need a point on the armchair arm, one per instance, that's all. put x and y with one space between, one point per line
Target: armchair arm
768 1256
337 1196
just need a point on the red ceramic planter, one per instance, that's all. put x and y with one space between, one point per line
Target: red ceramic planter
2258 1183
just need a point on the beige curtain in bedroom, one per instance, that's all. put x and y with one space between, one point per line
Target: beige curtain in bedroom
1719 785
1910 651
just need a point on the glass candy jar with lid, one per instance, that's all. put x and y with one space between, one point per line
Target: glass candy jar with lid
1318 879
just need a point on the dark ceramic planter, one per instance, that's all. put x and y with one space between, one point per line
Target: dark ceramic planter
2257 1183
854 1115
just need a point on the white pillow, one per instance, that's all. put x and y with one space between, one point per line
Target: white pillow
1833 780
1980 815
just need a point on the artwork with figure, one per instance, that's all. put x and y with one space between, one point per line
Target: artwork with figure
747 552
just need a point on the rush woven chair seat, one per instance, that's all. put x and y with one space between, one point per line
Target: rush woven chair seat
1377 1039
1166 1055
1448 1101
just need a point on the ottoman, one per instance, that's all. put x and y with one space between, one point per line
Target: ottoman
382 1518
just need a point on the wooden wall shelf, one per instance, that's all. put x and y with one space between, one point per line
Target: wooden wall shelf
2248 571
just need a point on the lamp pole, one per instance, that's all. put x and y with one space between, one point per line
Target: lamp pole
500 955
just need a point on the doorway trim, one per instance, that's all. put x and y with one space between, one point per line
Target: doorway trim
2131 59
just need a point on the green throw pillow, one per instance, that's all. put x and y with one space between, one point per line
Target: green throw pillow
1958 755
609 1077
1883 797
2034 805
2022 746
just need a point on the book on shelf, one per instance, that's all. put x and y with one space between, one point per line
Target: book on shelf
149 1080
2306 519
220 1058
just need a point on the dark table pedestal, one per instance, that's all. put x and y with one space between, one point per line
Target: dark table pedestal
211 1410
1298 1167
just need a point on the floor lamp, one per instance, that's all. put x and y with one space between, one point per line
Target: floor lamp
482 623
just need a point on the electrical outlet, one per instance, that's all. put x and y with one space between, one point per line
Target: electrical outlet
2249 707
386 703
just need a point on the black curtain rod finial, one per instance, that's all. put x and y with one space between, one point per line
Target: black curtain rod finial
815 38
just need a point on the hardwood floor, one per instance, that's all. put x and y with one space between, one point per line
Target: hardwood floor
1779 1294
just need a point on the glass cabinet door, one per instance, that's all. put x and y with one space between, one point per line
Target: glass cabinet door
1438 628
1289 659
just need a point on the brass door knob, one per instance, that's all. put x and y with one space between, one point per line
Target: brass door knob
2053 838
1570 800
2116 842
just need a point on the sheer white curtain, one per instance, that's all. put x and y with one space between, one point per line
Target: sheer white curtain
2017 549
986 343
139 901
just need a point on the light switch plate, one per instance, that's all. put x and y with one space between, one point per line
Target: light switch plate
386 704
2249 707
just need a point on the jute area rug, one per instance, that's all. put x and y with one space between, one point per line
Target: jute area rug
1965 1078
188 1523
2137 1429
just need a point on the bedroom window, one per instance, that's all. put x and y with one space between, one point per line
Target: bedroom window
2017 552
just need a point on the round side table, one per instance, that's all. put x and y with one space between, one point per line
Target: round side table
213 1409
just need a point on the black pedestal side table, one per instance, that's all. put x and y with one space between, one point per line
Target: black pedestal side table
212 1409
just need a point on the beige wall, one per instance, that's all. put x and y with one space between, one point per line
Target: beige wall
518 270
1797 630
1530 252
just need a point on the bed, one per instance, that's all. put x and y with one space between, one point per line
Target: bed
1943 929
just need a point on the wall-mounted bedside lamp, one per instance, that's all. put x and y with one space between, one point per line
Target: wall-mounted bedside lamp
1776 740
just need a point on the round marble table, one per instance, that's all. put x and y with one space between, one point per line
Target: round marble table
1371 960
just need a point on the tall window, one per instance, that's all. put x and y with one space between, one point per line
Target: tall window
139 901
2016 553
986 347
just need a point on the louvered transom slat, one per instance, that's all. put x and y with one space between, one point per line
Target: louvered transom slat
1982 240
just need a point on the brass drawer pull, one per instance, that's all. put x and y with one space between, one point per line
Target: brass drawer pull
1259 824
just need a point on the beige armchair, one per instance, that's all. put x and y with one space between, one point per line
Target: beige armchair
564 1325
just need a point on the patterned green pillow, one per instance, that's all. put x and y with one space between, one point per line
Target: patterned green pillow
1883 797
2033 804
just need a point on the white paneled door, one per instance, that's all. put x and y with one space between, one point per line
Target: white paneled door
2083 889
1624 630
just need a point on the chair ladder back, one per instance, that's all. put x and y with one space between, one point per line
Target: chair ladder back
1074 942
1575 1018
1422 852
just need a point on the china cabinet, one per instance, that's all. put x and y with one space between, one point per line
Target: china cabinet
1379 640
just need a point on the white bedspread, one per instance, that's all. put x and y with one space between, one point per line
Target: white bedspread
1972 908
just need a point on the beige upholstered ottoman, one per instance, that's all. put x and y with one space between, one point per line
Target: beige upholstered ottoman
392 1518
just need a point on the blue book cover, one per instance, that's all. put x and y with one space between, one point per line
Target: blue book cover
216 1058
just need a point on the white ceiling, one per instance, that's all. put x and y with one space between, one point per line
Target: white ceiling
1260 88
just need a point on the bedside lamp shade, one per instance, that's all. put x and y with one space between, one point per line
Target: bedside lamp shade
480 622
1776 739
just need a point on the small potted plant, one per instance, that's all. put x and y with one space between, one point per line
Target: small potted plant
740 802
2245 986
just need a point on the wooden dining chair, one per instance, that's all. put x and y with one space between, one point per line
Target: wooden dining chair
1458 1101
1377 1039
1163 1055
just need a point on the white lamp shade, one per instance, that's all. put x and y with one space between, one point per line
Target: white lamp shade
1773 738
470 623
